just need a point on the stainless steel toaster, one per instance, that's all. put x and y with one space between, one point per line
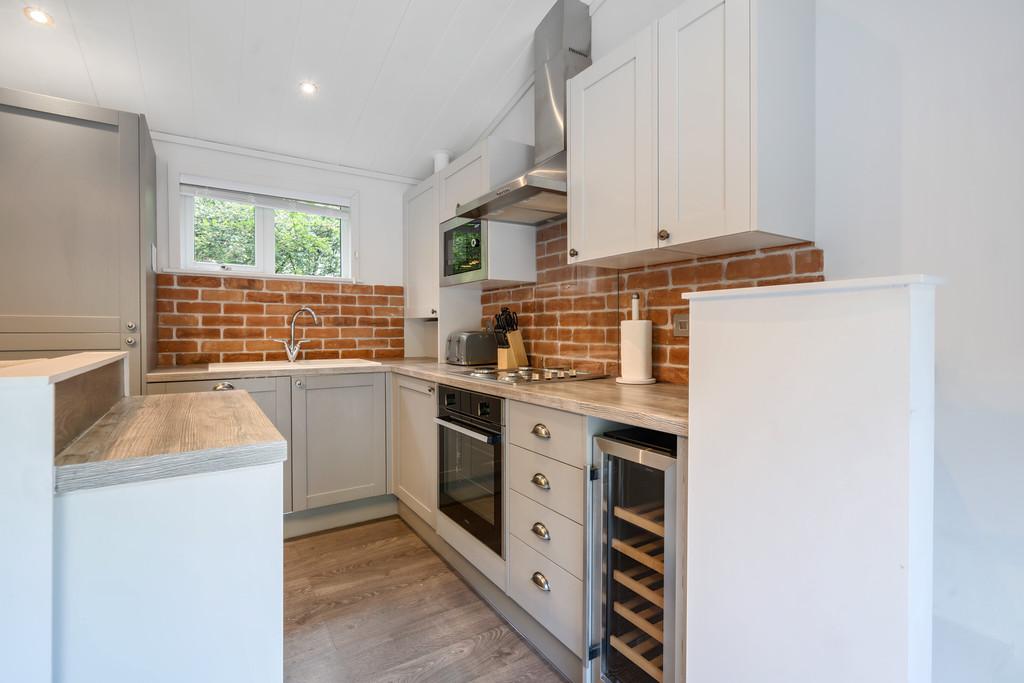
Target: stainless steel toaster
471 347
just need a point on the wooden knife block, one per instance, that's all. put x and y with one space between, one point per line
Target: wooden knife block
515 355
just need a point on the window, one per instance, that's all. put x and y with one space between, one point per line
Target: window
228 230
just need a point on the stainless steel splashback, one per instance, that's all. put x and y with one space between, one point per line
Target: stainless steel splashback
561 49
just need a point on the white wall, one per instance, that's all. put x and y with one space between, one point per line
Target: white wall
377 211
920 168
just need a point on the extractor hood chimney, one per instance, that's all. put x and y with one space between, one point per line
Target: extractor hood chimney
561 49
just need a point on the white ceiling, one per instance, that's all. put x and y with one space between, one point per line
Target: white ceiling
398 78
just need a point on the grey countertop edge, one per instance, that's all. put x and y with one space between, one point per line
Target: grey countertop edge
91 475
427 369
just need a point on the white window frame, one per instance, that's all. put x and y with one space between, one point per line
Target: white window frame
265 238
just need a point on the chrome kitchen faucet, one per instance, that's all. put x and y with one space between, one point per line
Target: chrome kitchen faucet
291 346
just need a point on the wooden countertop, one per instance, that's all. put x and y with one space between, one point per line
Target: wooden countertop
153 437
657 406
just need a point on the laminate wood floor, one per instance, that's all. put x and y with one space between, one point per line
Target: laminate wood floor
373 603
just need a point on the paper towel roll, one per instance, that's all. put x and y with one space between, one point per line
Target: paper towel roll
635 342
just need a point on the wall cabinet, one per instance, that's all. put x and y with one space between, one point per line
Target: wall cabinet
339 441
414 446
272 394
422 262
611 154
78 200
486 165
696 137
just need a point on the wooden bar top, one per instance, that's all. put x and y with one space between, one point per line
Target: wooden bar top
153 437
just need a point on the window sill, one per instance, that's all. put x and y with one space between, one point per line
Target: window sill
258 275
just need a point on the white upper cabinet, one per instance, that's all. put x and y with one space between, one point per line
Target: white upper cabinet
421 250
733 140
489 163
611 154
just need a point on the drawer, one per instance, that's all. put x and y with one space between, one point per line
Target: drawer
559 609
554 433
565 485
564 546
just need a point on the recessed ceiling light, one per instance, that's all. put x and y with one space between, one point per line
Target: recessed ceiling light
38 16
309 88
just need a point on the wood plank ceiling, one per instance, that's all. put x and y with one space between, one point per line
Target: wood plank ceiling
398 78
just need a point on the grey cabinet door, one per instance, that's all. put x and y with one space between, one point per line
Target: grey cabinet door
70 241
273 396
339 438
415 446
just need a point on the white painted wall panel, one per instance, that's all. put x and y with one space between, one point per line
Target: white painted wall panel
379 208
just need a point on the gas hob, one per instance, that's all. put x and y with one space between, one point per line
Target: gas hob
527 375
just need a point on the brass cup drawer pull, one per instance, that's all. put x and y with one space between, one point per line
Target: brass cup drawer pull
541 482
541 582
541 531
541 431
223 386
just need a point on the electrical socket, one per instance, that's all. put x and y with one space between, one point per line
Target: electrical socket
681 325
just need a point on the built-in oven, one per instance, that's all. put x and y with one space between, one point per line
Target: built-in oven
463 251
470 463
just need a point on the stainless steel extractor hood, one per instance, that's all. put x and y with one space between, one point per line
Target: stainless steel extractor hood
561 49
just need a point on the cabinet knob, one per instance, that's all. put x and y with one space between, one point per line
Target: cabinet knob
540 430
664 234
298 383
541 582
541 531
573 252
433 311
223 386
130 341
540 481
131 326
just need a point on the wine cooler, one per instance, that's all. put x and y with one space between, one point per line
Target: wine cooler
634 590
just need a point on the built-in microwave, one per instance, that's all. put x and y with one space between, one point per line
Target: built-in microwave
463 251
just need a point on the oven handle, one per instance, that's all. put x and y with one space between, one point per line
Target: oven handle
482 437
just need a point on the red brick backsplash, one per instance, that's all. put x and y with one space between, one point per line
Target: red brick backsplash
215 319
571 316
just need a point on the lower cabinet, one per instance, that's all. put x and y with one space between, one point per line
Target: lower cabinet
339 444
270 393
414 406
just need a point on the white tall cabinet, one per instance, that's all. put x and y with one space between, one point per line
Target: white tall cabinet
696 136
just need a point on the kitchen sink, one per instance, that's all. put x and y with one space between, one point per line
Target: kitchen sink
299 364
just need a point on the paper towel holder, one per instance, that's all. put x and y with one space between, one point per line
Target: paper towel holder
640 357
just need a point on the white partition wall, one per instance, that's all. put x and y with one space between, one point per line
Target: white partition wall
810 483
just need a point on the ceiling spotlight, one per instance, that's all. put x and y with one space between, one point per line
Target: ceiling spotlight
309 88
38 16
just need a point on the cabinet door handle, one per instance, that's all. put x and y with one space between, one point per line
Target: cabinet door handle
541 531
541 482
541 582
664 234
433 311
223 386
573 253
298 383
130 341
541 431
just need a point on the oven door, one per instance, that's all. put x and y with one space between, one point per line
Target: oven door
463 251
469 478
